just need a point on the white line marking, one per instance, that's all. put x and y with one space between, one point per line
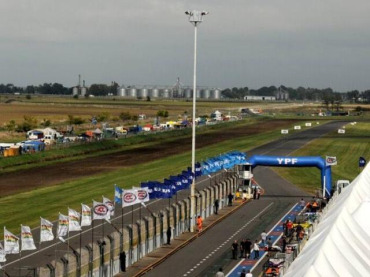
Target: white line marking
209 255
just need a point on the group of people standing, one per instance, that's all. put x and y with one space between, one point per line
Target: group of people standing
245 249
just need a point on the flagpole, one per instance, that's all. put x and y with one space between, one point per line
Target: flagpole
80 242
5 255
20 253
103 228
122 220
40 234
92 242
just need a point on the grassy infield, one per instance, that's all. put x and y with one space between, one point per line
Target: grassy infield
26 208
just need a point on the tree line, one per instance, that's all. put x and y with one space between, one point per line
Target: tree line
300 93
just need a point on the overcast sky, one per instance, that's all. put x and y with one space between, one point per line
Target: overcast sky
241 43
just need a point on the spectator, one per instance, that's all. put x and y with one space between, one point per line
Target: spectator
247 247
263 237
243 273
234 249
298 230
249 274
200 223
169 233
289 227
217 204
283 244
230 197
242 249
256 250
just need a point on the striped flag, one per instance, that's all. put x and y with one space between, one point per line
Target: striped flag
63 225
27 238
74 220
11 243
86 215
46 230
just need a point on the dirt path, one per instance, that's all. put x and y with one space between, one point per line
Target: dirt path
29 179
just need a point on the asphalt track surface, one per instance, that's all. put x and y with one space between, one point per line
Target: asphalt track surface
279 196
212 250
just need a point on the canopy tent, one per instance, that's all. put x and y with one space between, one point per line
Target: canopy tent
340 245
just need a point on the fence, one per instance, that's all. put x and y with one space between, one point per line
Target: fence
105 256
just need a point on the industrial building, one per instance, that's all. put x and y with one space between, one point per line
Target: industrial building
168 92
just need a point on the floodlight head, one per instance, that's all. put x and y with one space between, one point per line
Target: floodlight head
196 17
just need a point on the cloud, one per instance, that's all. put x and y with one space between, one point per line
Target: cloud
240 43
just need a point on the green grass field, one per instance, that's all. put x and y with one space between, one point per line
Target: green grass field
346 147
26 208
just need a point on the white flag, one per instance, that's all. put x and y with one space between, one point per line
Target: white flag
46 230
27 238
2 254
109 204
100 211
74 220
130 197
142 194
86 215
63 225
11 243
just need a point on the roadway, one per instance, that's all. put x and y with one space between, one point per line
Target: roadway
212 250
280 196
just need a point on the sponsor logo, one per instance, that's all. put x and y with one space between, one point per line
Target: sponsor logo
101 209
287 161
129 197
142 194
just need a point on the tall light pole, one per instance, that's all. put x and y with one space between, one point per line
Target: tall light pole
195 18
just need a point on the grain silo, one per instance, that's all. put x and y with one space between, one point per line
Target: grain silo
83 91
132 92
205 93
75 91
216 93
188 93
122 92
143 92
198 93
154 92
166 93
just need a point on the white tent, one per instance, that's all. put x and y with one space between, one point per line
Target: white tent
340 244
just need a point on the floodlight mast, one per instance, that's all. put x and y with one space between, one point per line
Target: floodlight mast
195 18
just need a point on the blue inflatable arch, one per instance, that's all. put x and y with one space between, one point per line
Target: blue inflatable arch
296 162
